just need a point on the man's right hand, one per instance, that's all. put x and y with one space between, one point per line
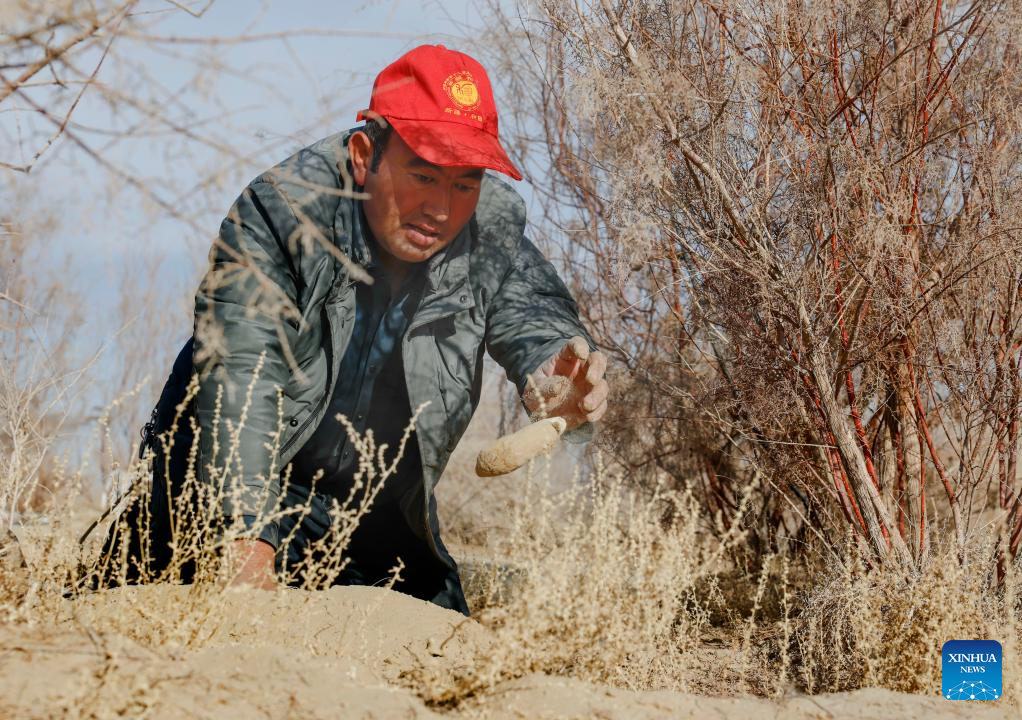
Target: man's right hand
571 384
252 564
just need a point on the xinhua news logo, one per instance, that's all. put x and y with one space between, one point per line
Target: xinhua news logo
971 670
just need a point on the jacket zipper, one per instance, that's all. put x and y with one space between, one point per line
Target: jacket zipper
433 541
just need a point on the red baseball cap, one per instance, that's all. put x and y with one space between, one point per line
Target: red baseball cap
441 104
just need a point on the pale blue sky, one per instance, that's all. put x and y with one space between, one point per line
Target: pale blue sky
274 97
268 99
285 95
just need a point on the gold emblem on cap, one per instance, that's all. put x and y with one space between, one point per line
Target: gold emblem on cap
461 89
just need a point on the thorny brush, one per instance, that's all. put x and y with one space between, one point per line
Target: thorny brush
792 227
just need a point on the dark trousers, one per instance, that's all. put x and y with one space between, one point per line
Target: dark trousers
381 540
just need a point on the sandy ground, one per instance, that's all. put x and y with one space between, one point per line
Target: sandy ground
144 652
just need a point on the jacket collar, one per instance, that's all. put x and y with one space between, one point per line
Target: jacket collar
449 284
360 249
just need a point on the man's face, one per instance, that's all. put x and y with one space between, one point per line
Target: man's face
415 208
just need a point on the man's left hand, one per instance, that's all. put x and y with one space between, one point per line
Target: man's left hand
570 385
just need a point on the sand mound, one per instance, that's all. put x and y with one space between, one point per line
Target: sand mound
70 674
173 651
184 651
386 631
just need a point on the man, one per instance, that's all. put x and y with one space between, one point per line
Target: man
404 204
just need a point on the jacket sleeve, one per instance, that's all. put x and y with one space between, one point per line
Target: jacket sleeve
244 312
531 316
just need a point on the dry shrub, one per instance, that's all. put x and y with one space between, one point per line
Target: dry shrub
596 582
792 227
63 569
861 629
39 380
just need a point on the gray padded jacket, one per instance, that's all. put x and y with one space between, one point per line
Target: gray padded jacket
278 246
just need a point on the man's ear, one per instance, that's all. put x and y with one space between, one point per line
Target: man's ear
360 150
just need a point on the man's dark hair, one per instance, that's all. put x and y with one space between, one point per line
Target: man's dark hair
379 133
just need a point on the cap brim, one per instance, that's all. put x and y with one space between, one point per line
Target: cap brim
450 143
